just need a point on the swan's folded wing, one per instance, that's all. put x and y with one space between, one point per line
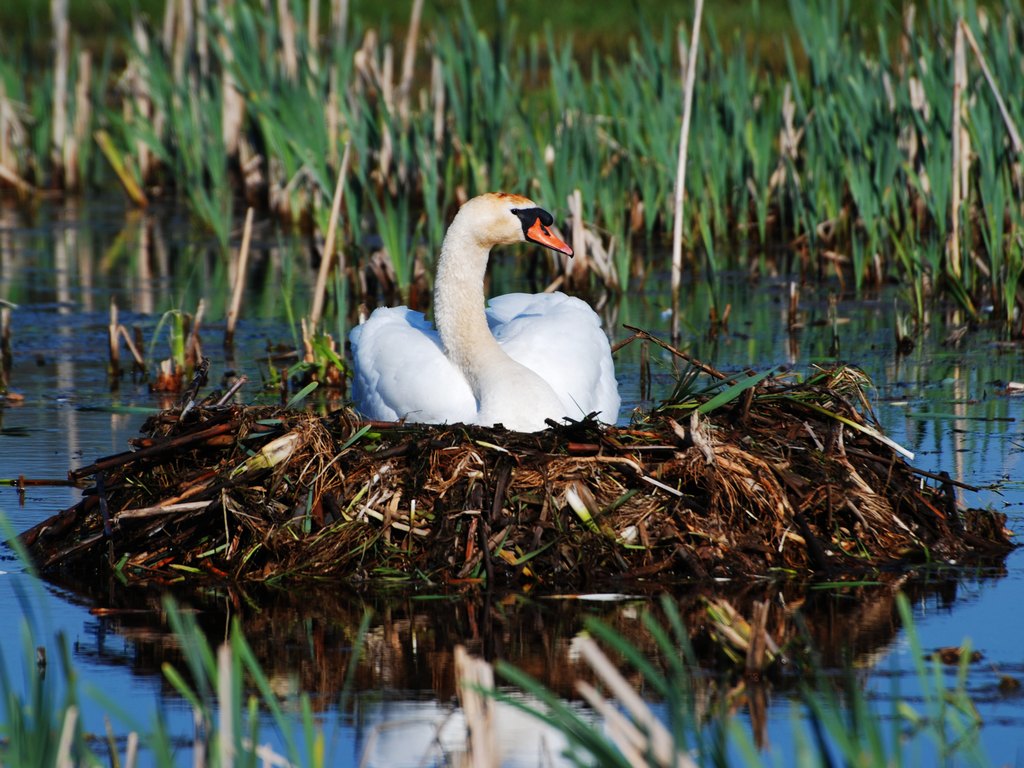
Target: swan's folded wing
402 373
560 338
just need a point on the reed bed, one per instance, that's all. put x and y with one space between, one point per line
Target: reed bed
902 163
754 476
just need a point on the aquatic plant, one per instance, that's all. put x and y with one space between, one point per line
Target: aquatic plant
864 154
669 725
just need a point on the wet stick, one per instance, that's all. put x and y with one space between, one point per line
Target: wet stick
241 265
684 138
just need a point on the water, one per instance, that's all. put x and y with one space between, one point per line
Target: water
948 404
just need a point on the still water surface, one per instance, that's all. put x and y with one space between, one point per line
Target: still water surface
63 266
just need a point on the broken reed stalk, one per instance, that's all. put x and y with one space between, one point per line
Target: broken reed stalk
474 678
124 175
138 359
327 258
1011 127
241 268
633 726
680 188
193 346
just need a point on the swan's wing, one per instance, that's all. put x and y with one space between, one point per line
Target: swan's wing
561 339
401 371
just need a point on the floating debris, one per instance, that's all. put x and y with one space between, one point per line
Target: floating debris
749 478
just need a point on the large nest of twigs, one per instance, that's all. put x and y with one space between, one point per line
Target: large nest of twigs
783 478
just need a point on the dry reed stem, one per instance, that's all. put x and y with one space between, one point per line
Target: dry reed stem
124 175
956 194
327 258
659 743
12 178
409 60
226 708
183 37
289 51
680 186
1011 126
339 19
112 335
232 101
629 739
80 128
475 682
241 270
313 25
202 42
140 363
61 43
67 737
131 750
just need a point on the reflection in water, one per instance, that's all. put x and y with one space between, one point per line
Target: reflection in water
403 695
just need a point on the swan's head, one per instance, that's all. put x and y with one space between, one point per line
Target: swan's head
497 218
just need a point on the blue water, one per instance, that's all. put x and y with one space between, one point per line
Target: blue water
946 404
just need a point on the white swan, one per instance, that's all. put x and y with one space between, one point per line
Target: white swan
526 359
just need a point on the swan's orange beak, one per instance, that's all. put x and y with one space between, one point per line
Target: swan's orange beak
539 233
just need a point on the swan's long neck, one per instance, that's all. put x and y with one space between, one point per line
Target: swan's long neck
459 303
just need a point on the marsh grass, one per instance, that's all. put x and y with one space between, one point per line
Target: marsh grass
839 724
838 159
645 705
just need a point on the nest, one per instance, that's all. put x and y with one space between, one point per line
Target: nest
787 478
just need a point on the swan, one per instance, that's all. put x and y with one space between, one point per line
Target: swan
527 358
